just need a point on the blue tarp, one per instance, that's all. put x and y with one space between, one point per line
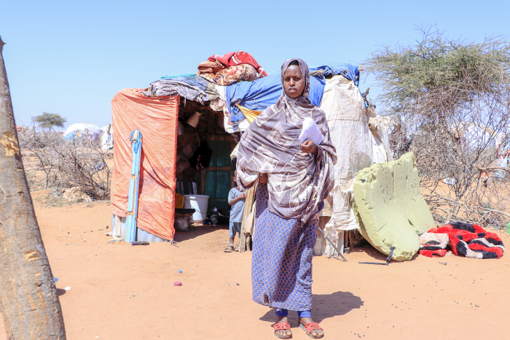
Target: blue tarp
349 71
261 93
70 136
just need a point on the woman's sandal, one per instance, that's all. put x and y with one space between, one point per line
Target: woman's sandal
229 249
283 326
311 326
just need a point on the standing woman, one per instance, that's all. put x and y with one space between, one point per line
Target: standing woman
294 179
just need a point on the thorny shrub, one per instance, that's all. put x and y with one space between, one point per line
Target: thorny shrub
52 162
449 103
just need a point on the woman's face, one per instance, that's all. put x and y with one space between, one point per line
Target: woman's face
293 82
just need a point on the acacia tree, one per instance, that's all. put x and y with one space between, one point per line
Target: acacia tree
449 100
28 297
49 120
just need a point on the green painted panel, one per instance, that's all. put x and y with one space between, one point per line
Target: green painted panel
217 182
210 184
224 153
221 152
217 187
222 184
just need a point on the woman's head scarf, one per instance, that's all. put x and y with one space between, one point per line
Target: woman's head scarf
297 181
305 72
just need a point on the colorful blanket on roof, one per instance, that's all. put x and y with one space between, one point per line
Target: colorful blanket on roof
469 240
232 74
238 58
231 68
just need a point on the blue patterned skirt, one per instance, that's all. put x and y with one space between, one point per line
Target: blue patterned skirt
281 267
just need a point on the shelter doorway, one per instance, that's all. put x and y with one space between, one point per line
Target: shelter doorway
217 179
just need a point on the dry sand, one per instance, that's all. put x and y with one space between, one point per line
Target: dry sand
119 291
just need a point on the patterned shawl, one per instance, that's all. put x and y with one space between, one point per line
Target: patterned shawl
297 181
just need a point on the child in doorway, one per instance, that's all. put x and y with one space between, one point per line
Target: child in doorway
236 200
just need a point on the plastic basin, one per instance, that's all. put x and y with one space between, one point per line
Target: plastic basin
199 203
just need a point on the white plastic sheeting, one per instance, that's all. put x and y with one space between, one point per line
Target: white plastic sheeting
348 124
380 140
107 138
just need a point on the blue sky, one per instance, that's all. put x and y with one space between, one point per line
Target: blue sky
71 57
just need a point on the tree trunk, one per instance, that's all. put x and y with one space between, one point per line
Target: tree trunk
28 297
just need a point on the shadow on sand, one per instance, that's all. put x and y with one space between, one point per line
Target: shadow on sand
376 255
323 307
181 236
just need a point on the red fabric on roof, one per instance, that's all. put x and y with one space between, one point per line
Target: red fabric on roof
236 58
156 118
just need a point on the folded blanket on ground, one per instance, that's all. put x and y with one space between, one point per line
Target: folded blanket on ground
434 245
469 240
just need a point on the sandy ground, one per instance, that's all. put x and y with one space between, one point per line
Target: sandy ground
119 291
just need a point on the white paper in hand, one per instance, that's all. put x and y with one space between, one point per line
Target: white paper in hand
311 131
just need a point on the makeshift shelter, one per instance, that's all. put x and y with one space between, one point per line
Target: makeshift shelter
185 150
191 124
157 119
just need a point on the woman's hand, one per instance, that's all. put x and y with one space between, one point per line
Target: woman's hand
309 147
263 179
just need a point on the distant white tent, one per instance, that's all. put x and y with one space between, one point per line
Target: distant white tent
106 127
83 129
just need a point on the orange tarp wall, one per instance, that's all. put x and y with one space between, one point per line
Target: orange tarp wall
157 119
